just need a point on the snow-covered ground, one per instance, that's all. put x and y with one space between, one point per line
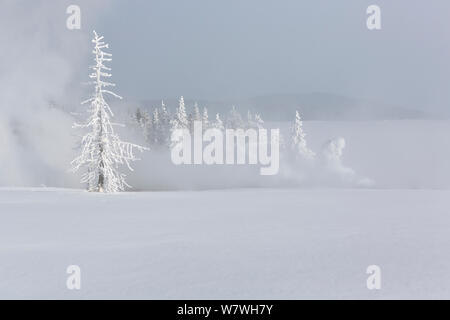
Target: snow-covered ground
229 244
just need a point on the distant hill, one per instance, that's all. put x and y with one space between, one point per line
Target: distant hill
322 106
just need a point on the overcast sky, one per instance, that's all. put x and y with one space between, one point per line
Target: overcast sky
242 48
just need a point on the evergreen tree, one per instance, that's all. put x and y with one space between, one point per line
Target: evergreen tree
218 124
191 122
250 122
137 117
205 120
180 120
102 150
234 119
157 132
197 115
146 125
259 122
298 141
165 121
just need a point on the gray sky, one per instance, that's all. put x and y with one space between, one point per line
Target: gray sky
242 48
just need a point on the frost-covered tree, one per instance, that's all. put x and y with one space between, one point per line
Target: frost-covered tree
147 126
254 121
137 117
144 122
298 141
102 151
197 115
259 121
191 122
234 119
164 118
156 127
250 121
159 130
218 124
140 118
180 120
205 119
164 115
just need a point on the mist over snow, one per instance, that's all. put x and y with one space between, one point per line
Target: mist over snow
41 90
39 61
42 69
